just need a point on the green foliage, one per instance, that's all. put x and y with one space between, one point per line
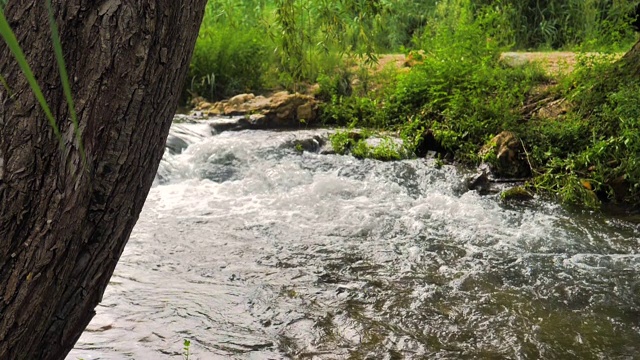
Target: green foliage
386 149
604 140
308 33
465 95
249 45
352 111
399 21
460 90
555 24
244 14
186 349
341 142
292 17
338 84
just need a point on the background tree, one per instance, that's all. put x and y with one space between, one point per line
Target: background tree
64 224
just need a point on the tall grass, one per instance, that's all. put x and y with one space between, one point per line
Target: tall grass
565 24
228 61
247 45
250 45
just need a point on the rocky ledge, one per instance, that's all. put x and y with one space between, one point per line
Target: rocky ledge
282 110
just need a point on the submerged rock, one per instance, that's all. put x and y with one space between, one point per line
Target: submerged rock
314 143
479 182
175 145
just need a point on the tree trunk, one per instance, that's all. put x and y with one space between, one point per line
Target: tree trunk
630 63
64 224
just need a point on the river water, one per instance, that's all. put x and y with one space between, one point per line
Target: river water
253 249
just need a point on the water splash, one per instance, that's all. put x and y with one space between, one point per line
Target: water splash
253 249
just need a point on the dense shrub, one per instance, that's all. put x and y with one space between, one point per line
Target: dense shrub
601 136
557 24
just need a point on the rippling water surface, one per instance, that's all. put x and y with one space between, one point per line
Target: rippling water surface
254 250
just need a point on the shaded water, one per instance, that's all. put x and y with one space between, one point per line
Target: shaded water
253 250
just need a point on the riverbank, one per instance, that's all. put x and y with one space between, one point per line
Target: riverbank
532 116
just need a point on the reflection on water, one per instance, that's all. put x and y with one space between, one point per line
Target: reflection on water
253 250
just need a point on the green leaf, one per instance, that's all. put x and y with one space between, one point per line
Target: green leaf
6 86
64 78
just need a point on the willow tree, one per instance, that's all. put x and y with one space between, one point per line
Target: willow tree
64 221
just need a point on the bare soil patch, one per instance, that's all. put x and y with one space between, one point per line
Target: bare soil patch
554 62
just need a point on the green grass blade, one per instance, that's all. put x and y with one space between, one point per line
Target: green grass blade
10 38
6 86
64 78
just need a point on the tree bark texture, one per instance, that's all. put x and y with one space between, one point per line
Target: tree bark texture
64 224
631 62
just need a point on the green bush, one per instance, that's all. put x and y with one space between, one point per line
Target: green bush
562 24
344 142
604 151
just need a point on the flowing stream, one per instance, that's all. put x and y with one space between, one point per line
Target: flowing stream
253 249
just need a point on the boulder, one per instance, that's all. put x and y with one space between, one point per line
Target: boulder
215 109
306 111
240 99
517 193
514 59
479 182
553 109
280 110
203 105
175 145
506 157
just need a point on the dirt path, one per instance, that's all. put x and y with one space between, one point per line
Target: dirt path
554 61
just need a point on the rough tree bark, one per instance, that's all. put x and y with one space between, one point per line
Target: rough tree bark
63 225
630 62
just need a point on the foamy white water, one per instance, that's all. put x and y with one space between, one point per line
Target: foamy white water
253 250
